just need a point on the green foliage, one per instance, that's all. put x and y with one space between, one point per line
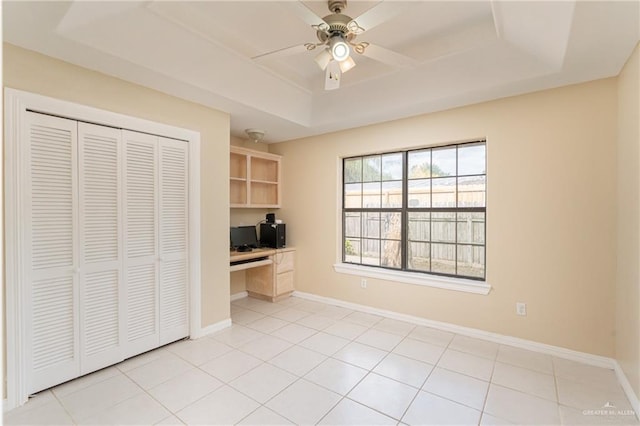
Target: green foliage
422 171
370 173
367 169
348 248
353 170
364 170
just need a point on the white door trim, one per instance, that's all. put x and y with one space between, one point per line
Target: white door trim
16 103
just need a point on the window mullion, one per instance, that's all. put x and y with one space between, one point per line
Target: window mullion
430 211
404 218
455 229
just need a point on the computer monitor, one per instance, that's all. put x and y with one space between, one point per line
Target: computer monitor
244 236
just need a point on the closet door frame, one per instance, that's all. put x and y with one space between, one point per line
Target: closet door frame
16 104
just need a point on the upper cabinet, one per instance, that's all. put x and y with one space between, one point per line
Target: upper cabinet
255 178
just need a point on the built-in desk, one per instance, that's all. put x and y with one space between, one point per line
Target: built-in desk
269 272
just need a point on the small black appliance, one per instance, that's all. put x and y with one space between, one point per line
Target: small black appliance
273 235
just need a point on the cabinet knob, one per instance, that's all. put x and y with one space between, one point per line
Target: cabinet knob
76 270
160 259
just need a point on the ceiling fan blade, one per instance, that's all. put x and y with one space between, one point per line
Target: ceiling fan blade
306 14
281 53
375 16
389 57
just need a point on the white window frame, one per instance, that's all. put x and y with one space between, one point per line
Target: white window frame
16 104
396 276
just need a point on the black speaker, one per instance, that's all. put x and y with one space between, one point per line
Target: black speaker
273 235
271 218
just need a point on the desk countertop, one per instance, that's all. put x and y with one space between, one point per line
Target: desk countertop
238 256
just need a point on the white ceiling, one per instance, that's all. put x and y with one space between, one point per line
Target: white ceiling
463 52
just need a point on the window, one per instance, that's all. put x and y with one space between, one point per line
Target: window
420 210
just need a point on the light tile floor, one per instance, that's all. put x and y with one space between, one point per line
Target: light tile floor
304 362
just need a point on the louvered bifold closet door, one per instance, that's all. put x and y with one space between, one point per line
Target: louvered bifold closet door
51 261
141 242
174 213
101 274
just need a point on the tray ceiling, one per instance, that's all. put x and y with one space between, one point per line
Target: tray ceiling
463 52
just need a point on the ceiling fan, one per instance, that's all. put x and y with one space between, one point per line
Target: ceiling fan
337 34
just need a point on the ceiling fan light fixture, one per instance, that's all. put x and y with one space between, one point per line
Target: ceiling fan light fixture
323 58
347 64
339 47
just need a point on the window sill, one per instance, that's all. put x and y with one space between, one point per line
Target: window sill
457 284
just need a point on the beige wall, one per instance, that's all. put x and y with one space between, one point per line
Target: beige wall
628 278
30 71
551 216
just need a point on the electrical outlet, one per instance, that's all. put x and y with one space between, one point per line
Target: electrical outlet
363 283
521 308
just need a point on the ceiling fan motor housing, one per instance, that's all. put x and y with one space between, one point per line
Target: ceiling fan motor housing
337 24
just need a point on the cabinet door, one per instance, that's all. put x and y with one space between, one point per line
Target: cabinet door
285 261
100 272
174 215
51 232
284 283
141 243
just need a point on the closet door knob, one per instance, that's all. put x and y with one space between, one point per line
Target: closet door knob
76 270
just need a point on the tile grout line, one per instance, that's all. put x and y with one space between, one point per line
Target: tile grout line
298 378
372 408
73 420
124 400
171 413
196 367
427 378
463 374
486 396
342 397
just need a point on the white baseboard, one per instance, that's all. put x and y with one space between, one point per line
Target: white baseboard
241 295
596 360
628 390
220 325
583 357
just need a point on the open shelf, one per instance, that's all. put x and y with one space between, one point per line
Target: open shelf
264 169
238 166
264 193
254 179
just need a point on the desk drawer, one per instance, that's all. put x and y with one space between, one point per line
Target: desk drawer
284 261
284 282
